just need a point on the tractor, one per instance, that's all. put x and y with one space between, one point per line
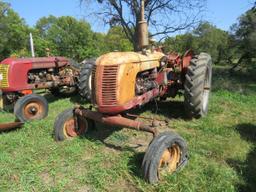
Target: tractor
118 82
21 77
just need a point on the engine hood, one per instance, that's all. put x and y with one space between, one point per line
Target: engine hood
118 58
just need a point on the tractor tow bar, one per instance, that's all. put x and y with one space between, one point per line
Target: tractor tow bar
117 120
9 126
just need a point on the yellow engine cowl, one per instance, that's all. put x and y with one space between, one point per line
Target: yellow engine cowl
114 76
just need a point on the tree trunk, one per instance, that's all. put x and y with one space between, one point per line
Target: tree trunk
243 57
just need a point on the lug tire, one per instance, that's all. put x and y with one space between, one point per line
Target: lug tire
85 79
157 148
66 126
31 107
198 85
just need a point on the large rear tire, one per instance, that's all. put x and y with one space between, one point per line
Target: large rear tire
85 79
166 154
31 107
198 85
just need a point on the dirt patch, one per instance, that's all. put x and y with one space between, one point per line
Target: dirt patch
47 178
85 188
122 185
15 178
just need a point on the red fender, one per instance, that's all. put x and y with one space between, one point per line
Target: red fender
186 59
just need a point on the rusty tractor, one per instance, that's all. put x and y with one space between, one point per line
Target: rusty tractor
21 77
120 81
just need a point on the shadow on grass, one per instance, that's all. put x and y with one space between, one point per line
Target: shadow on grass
134 164
170 109
100 132
246 169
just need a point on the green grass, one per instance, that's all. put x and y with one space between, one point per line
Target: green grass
222 148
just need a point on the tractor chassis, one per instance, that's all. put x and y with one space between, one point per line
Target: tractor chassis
117 120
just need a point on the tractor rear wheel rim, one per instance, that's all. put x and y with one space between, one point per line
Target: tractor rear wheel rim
33 110
90 83
74 127
206 91
169 160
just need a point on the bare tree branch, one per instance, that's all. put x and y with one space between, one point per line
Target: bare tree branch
163 16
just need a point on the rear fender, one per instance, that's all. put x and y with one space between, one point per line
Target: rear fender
186 59
185 63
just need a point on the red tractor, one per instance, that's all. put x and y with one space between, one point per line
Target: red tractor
21 77
120 81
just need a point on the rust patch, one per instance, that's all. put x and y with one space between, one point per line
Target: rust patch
8 126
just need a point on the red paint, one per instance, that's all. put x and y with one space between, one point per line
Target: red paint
174 59
139 100
19 68
186 59
27 92
160 78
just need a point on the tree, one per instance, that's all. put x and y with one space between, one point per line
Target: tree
163 16
180 43
245 34
67 36
205 38
116 40
14 33
212 40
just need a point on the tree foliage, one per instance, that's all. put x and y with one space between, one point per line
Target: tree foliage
205 38
116 40
66 36
13 32
69 37
245 35
212 40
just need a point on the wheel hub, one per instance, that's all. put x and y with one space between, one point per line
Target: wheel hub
33 110
169 160
73 128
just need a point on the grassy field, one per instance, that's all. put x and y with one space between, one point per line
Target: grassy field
222 148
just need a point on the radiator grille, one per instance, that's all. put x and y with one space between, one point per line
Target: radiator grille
109 85
4 73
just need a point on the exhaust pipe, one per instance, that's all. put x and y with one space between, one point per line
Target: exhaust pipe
143 28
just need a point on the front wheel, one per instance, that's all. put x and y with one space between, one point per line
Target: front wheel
67 125
31 107
166 154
